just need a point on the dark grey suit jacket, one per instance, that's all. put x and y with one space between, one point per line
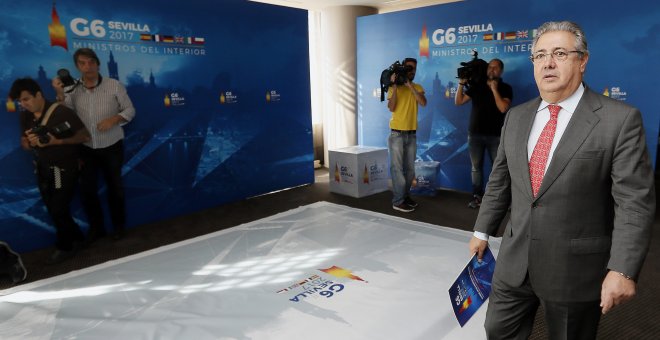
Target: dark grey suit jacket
595 207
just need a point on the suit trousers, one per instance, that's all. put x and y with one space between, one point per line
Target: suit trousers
511 313
107 162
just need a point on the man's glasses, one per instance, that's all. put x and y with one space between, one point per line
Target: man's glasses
558 55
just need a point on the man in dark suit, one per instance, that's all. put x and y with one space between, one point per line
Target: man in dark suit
574 167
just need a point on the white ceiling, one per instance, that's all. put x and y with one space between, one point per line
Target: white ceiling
382 5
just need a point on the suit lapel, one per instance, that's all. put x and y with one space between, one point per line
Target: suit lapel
579 127
525 128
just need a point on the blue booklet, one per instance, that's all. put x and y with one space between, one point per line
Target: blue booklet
472 287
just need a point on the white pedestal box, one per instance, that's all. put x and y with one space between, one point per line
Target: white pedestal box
358 171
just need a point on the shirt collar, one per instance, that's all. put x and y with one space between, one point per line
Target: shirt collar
569 104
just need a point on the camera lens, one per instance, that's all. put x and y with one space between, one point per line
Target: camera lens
63 73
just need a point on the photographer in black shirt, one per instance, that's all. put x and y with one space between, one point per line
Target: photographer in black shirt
490 102
53 133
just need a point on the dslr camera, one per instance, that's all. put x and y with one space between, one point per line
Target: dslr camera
398 69
66 78
42 131
475 70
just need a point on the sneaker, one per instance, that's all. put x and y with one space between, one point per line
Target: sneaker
476 202
409 201
403 207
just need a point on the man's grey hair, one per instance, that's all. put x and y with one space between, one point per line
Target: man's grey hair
566 26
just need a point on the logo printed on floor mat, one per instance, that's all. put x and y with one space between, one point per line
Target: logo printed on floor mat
316 285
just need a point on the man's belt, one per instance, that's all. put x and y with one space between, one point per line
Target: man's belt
405 132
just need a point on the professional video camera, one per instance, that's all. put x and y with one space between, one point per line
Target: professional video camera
401 72
42 131
475 70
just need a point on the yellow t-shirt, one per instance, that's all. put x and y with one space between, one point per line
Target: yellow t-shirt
404 117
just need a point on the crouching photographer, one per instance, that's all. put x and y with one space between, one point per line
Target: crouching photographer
403 98
53 133
491 98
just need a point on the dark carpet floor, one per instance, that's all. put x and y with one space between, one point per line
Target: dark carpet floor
638 319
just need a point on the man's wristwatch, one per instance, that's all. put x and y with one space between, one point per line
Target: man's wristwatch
625 276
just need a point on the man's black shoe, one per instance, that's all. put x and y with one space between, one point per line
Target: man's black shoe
409 201
94 235
476 202
118 234
60 256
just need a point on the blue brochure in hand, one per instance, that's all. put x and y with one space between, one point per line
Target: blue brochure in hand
472 287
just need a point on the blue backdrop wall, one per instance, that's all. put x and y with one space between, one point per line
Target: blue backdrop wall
221 91
623 41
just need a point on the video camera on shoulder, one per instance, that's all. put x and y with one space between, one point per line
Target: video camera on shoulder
475 70
398 69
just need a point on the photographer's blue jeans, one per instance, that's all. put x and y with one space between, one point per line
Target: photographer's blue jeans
403 151
477 146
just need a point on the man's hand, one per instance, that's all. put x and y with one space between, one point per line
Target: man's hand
33 140
478 246
616 290
492 83
108 123
57 84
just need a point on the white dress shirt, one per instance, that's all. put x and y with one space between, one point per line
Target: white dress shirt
107 99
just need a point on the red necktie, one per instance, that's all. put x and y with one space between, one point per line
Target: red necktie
542 149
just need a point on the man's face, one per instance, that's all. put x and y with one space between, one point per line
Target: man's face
413 70
87 66
494 70
555 79
31 103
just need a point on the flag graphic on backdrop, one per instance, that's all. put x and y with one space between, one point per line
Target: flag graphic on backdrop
10 105
57 31
424 44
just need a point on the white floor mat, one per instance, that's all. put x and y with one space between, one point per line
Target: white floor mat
322 271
